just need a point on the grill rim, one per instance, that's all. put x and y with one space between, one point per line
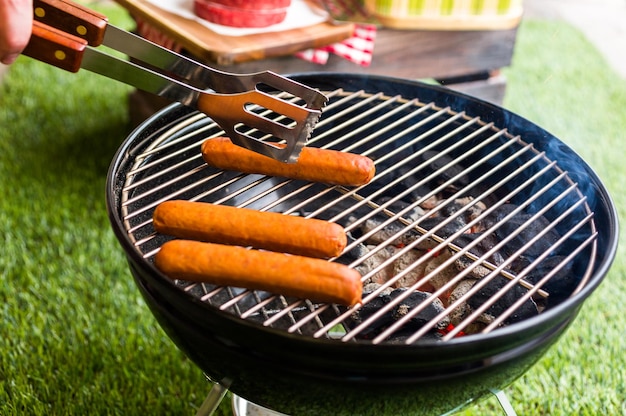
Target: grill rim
171 115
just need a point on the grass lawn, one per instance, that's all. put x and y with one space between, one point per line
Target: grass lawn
75 336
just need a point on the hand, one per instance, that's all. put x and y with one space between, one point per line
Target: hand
16 20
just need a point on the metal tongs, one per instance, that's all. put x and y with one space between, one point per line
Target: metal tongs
66 35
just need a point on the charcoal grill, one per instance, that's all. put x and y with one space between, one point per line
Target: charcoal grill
541 242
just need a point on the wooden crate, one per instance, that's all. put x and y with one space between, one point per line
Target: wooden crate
465 60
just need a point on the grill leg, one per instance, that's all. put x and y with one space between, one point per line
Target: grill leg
504 402
213 399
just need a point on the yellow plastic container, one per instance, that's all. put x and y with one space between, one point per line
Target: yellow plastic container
447 14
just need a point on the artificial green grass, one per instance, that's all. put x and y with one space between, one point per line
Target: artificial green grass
563 84
75 336
560 82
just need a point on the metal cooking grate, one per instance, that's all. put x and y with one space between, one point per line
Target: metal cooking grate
532 233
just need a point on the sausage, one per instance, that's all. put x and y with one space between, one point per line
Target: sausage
248 227
279 273
314 164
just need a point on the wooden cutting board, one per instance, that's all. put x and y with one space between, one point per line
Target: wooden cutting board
206 45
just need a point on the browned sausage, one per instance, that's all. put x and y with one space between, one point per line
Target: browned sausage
278 273
314 164
247 227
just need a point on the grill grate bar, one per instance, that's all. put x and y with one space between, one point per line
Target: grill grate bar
504 315
451 283
179 191
422 136
358 102
162 141
324 208
409 190
347 194
209 294
380 131
421 152
442 245
267 301
235 300
197 132
432 233
162 186
590 240
286 311
495 271
152 178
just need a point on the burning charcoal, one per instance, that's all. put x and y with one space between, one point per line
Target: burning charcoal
451 208
371 287
455 206
355 252
471 209
426 244
463 310
526 310
384 235
486 244
449 170
529 231
502 211
397 312
408 182
430 202
476 269
368 310
475 210
497 215
478 250
445 231
412 214
561 285
401 263
342 210
519 263
398 265
468 304
514 223
423 317
388 231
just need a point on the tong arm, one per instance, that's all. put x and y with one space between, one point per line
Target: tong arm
74 19
92 26
238 104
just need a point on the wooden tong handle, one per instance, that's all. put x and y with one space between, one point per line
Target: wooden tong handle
72 18
61 31
55 47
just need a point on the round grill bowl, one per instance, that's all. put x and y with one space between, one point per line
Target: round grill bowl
297 374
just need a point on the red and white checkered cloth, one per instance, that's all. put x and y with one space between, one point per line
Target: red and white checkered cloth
358 49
